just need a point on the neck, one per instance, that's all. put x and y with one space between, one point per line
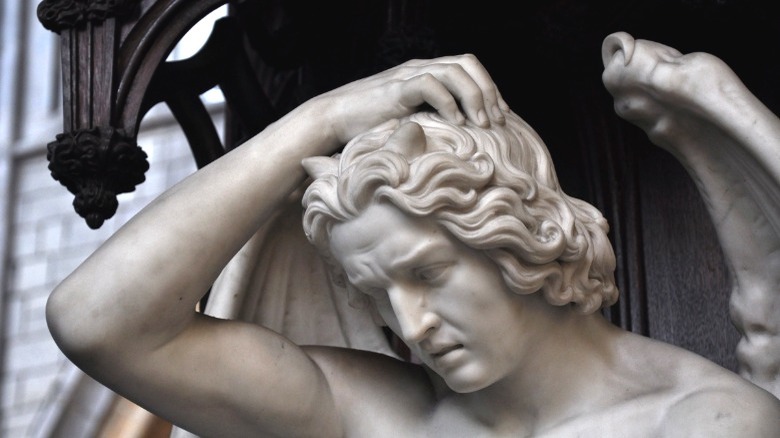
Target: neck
569 365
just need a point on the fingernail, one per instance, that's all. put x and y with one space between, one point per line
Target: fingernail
497 114
482 118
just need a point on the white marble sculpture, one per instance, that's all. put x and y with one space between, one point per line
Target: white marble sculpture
450 228
696 107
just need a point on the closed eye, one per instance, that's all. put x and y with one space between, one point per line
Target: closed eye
431 273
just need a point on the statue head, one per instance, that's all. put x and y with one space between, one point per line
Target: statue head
494 189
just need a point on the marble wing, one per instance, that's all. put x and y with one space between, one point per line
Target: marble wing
694 106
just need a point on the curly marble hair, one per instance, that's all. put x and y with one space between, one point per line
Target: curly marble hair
494 189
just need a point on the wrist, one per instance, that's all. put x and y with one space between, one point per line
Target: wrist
312 126
305 131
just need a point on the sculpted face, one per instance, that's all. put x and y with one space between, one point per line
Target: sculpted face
448 302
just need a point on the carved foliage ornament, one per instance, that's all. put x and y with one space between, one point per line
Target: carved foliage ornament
96 164
57 15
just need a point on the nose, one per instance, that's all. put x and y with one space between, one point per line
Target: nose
415 319
617 42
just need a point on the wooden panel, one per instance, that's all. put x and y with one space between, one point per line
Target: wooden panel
687 283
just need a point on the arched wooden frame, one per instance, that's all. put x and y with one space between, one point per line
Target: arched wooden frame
111 52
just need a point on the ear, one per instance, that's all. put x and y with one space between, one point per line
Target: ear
318 167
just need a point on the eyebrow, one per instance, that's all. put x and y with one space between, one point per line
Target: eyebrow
418 252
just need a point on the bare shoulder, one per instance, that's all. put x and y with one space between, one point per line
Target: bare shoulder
737 409
698 398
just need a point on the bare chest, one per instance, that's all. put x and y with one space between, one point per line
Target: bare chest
636 418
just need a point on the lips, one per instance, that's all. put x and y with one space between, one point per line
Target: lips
445 350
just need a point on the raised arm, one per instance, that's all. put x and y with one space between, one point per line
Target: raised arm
696 107
126 315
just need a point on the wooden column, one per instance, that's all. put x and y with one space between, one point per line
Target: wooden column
93 157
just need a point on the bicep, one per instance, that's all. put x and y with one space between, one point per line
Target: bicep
228 378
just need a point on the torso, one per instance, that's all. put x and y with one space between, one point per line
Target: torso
405 403
635 418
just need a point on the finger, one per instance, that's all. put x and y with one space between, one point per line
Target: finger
426 88
502 103
458 84
451 69
490 94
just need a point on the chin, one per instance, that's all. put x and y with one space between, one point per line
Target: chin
466 380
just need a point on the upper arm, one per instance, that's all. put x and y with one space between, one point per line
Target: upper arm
228 378
376 392
724 413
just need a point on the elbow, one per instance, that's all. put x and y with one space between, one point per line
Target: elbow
71 326
60 319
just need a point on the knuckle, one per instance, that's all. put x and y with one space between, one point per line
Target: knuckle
469 58
427 79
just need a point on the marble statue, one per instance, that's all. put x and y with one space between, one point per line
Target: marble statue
695 107
443 220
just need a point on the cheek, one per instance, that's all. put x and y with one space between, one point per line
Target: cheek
501 319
